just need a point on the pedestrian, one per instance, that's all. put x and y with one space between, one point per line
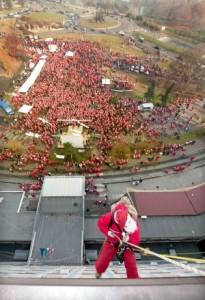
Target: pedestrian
121 223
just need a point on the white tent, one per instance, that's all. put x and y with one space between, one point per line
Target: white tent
43 120
49 39
106 81
75 139
32 78
39 51
52 48
69 54
31 134
59 156
25 109
43 56
31 65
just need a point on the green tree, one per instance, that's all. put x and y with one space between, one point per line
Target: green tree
166 95
121 150
15 146
113 100
71 153
151 91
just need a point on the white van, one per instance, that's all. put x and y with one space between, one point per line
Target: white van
121 33
146 106
141 39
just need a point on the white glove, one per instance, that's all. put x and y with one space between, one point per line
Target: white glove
111 234
125 237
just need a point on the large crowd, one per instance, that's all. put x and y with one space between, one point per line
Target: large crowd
134 65
71 88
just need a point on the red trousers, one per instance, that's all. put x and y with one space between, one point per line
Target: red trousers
108 251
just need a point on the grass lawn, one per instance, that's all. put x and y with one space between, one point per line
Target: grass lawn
44 17
8 11
164 45
90 23
140 86
192 36
115 43
165 64
188 136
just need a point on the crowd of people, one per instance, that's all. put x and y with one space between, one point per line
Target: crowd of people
71 88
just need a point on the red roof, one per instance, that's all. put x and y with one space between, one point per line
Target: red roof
171 203
197 198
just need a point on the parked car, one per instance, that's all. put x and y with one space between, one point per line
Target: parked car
141 39
146 106
121 33
6 107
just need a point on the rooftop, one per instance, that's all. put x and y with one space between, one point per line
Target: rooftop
59 221
158 228
14 224
63 186
170 203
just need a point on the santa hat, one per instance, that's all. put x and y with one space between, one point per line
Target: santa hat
120 215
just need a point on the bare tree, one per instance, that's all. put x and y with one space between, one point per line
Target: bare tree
9 3
188 73
21 2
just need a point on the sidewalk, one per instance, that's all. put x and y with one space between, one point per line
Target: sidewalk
197 150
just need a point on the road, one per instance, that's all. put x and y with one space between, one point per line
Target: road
195 175
115 187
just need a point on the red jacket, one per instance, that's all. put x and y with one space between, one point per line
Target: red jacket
104 223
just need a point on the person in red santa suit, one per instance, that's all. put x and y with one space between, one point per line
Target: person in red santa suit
121 223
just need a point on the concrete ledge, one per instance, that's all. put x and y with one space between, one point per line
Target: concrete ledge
92 289
102 282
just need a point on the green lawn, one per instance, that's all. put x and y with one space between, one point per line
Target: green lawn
90 23
164 45
8 11
114 43
188 136
44 17
190 36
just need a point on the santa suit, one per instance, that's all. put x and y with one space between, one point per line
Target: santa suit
106 224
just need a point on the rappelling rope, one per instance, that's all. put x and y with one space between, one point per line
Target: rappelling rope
167 258
190 259
163 257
